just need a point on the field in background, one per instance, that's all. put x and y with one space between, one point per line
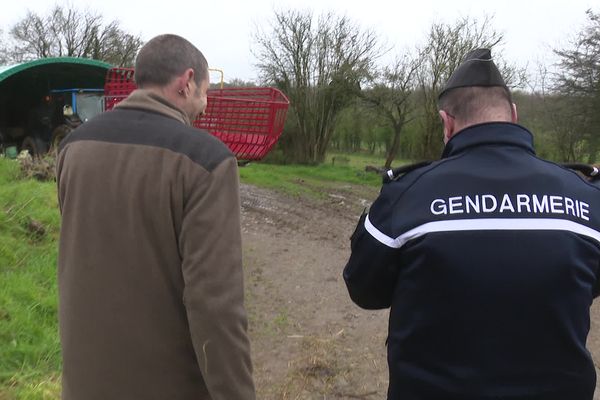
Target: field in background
29 229
311 180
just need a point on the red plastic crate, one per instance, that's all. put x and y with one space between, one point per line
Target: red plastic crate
248 120
118 84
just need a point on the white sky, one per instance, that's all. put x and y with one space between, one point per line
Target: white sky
223 29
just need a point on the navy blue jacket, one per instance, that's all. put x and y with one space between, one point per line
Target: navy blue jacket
489 261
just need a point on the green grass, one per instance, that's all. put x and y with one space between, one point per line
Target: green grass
357 160
310 180
29 345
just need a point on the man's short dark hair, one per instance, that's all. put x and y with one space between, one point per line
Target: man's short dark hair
472 102
166 57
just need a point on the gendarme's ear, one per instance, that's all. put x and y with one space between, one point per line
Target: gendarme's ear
514 116
448 124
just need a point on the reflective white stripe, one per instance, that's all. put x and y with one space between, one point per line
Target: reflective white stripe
483 224
377 234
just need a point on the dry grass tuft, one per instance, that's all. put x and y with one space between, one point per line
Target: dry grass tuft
40 168
317 372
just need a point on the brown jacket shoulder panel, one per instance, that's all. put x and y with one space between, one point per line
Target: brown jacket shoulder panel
143 127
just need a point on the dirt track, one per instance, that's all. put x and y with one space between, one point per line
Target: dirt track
309 340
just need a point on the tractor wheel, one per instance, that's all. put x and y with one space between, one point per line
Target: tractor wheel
34 145
58 134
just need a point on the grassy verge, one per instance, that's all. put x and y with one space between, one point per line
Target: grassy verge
29 346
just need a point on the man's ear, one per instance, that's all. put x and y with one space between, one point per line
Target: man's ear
514 116
189 74
448 125
184 80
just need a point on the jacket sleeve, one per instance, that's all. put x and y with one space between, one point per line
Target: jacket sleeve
371 273
211 249
596 288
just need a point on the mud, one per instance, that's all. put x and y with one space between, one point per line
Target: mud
309 340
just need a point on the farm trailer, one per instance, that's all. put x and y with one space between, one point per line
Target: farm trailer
42 100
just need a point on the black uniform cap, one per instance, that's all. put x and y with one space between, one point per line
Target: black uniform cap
476 69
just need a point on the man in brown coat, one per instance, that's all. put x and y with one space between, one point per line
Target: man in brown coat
150 270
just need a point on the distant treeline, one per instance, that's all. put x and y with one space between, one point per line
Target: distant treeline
343 99
558 132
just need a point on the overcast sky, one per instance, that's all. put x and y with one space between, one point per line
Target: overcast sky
223 29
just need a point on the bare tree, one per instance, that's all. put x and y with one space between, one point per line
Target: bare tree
555 117
319 63
70 32
391 97
113 45
578 80
3 49
237 82
33 38
445 47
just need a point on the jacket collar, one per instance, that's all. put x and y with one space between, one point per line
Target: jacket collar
489 133
146 100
